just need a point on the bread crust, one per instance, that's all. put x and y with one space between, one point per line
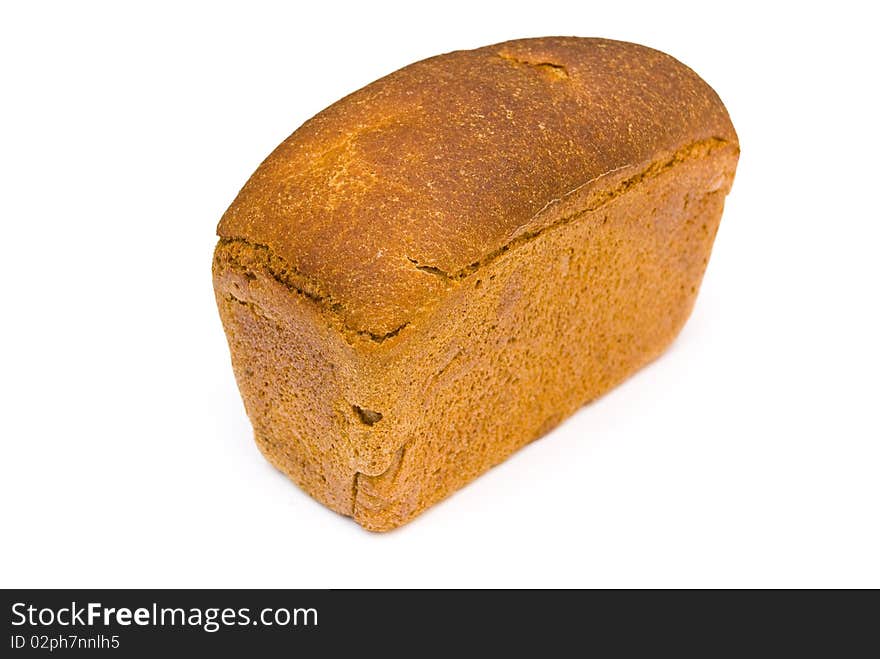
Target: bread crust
442 266
437 165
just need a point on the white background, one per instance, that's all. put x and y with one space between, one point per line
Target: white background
749 455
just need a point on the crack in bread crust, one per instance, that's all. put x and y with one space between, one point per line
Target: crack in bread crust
308 287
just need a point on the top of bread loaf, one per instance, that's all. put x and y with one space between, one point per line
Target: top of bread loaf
395 192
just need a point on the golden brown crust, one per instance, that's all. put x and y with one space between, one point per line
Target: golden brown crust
373 204
444 265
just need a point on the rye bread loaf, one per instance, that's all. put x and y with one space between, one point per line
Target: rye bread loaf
440 267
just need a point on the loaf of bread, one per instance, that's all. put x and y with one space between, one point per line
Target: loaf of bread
442 266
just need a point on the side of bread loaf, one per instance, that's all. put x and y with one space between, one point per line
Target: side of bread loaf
445 264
